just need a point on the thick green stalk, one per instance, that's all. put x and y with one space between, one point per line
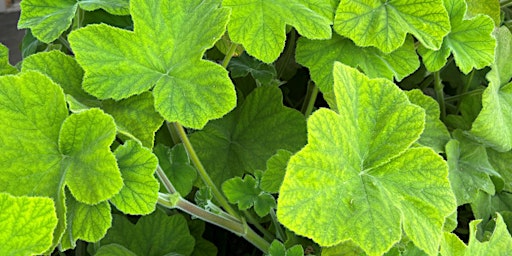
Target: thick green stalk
165 180
202 171
438 87
309 101
229 55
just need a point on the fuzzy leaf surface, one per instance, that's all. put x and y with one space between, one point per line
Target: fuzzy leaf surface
274 174
5 67
493 126
436 134
164 51
384 24
26 224
140 191
246 138
169 234
319 57
260 26
361 158
177 167
470 41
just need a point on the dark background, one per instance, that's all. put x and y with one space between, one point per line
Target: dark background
10 35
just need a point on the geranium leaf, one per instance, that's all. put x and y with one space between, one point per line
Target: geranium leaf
114 250
260 26
493 126
26 224
490 8
85 222
140 191
274 174
168 234
164 51
469 168
278 249
436 134
246 193
502 163
319 57
116 7
385 24
263 74
61 150
361 159
5 67
244 139
469 40
177 167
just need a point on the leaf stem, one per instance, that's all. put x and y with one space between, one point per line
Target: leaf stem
165 180
309 101
465 88
457 97
438 87
202 171
505 3
234 226
279 230
229 55
258 226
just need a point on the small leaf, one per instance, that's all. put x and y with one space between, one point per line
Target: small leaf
319 57
263 74
116 7
186 89
493 126
246 193
244 139
26 224
469 168
260 26
276 169
361 159
278 249
436 134
470 41
177 167
154 235
5 67
140 191
384 24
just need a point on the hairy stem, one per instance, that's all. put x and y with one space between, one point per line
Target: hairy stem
229 55
165 180
438 87
202 171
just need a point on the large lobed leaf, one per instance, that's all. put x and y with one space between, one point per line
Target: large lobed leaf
384 24
358 178
164 51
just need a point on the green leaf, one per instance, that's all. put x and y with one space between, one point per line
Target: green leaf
469 168
186 89
135 117
490 8
246 193
278 249
176 165
502 163
140 191
263 74
154 235
261 26
319 57
202 246
116 7
384 24
276 169
470 41
347 248
361 159
85 222
436 134
26 224
114 250
62 151
5 67
244 139
493 126
47 19
499 243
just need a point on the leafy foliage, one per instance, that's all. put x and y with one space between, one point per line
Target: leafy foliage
246 193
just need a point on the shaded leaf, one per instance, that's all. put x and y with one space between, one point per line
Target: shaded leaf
263 74
114 250
276 169
117 7
177 167
246 193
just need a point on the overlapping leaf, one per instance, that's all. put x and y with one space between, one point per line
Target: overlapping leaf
490 8
5 67
319 57
384 24
274 174
263 74
260 25
26 224
140 191
177 167
153 235
244 139
469 40
360 158
493 126
278 249
48 19
62 151
247 193
502 163
164 51
436 134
